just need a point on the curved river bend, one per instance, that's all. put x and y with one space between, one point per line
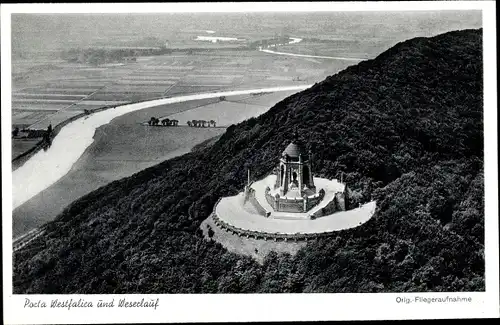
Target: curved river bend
46 167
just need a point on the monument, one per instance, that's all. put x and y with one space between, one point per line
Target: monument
294 190
290 203
295 172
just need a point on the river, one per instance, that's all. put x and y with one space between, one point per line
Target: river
46 167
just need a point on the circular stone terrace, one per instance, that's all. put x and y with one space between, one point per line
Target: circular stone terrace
240 216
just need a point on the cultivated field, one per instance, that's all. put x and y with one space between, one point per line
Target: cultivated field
59 89
231 110
257 249
20 146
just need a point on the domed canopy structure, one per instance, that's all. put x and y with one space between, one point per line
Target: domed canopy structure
294 150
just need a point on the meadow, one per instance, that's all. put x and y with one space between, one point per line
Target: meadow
21 145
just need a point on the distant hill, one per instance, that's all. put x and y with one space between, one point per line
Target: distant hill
406 130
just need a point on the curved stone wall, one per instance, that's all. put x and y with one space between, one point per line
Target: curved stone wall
266 235
315 200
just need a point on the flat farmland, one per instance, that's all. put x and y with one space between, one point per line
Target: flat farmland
83 84
146 82
232 110
36 115
223 113
81 106
256 83
152 77
20 146
37 106
29 101
47 96
20 114
100 103
179 90
136 142
59 91
128 96
118 88
26 119
54 118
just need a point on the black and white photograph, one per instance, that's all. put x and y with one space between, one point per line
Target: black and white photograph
164 155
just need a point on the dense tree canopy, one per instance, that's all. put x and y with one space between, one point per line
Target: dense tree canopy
405 128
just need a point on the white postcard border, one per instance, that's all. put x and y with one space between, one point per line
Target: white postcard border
262 307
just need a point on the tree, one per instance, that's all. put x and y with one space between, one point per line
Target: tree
15 132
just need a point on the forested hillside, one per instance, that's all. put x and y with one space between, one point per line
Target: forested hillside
406 128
